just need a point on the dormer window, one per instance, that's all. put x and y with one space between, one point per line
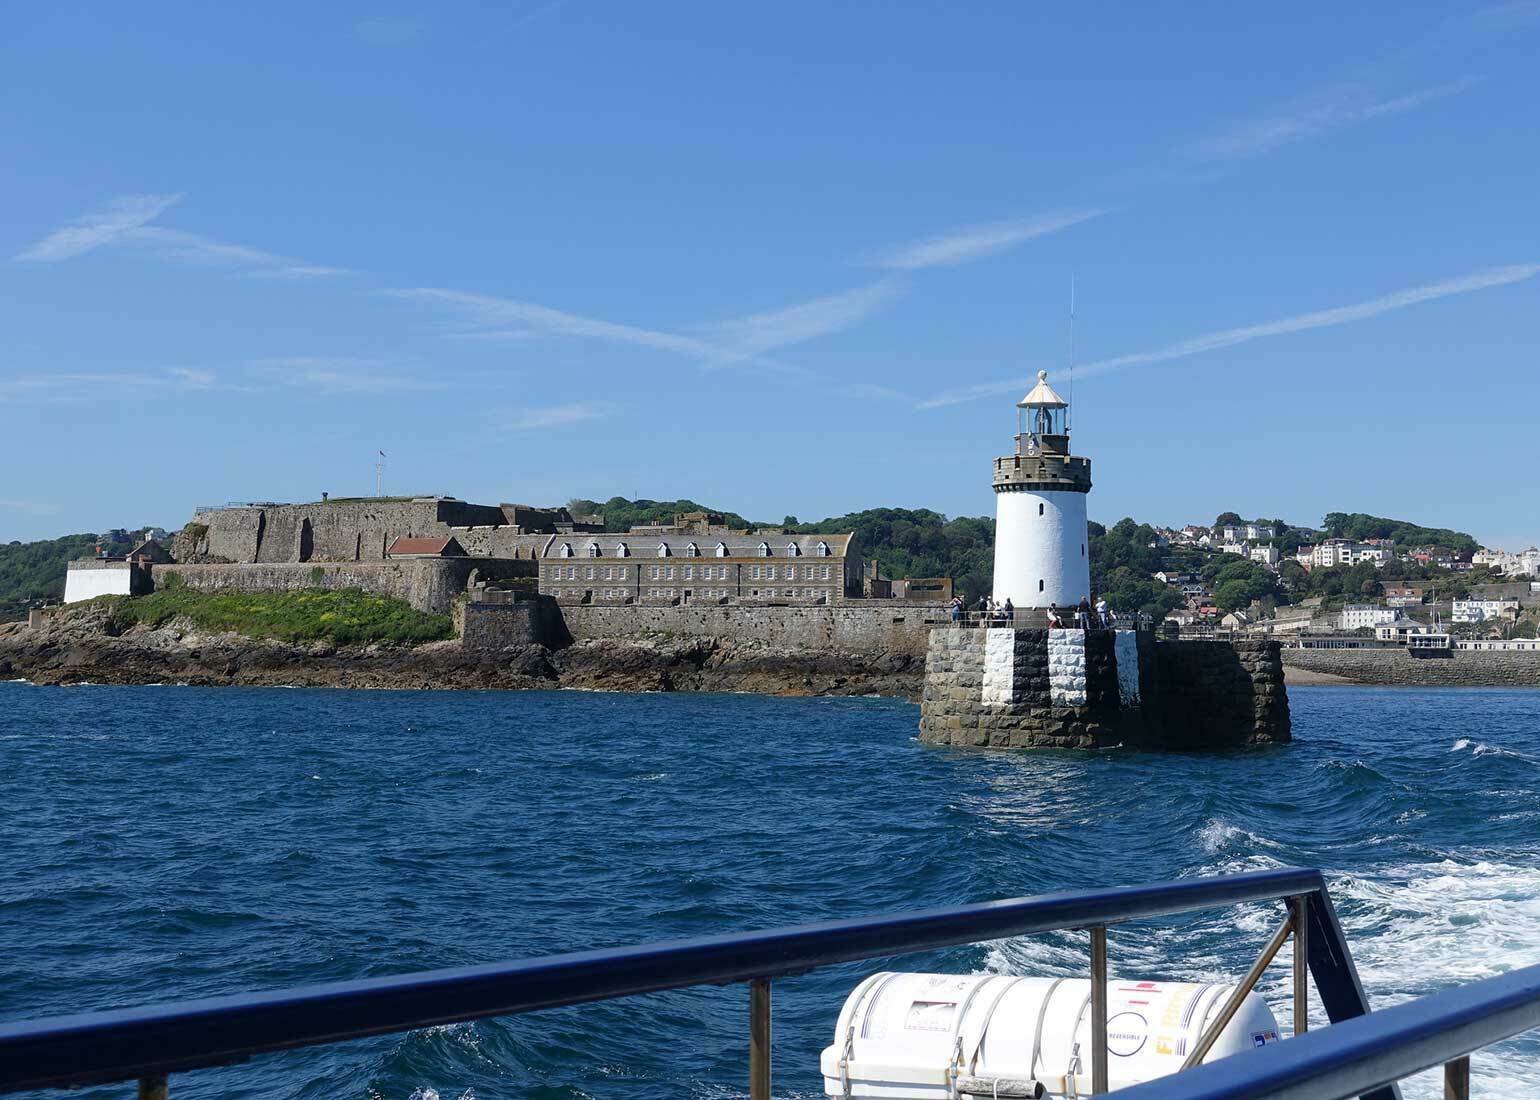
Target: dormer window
566 550
823 549
764 549
593 549
662 549
692 550
793 550
621 551
721 549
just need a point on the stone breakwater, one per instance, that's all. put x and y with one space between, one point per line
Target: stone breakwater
1007 688
1398 668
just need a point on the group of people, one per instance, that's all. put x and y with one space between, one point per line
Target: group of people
989 611
1086 616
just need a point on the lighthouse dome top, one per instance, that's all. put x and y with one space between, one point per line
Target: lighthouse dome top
1042 396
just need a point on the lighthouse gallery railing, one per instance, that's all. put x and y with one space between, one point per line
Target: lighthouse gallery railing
153 1042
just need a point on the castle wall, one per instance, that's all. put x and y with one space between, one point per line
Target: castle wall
840 628
1007 688
341 531
428 584
488 627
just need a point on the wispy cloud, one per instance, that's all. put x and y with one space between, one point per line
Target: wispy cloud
125 222
30 506
499 315
337 374
196 248
101 385
1304 322
722 344
961 246
121 216
554 416
759 333
1333 111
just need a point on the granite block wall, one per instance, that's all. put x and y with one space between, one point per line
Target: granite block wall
1397 667
430 584
842 628
1009 688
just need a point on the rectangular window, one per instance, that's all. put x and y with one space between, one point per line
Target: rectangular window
770 572
572 572
609 573
689 572
588 572
824 573
755 574
656 571
671 577
621 572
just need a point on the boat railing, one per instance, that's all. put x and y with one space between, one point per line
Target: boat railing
1360 1055
151 1043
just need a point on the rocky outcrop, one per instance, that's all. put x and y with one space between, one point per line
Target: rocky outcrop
82 646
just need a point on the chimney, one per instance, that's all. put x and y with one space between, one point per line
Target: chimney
324 495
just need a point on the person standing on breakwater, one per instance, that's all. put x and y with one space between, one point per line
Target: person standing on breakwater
1083 614
957 609
1008 612
1101 612
983 610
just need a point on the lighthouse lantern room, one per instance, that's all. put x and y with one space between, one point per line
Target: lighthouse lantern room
1041 556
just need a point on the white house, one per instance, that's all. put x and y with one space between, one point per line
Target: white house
1480 611
1400 630
1266 555
1357 616
1241 548
1260 531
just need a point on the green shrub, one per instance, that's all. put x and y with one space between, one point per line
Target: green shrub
317 574
346 616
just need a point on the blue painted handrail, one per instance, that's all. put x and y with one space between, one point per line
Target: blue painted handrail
1358 1055
100 1047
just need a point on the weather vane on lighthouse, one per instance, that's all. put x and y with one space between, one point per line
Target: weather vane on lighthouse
1041 556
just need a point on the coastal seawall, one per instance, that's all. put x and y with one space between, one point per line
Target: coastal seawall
1005 688
1398 668
899 629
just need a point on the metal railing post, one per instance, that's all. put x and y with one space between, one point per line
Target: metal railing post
1099 1009
759 1039
1457 1079
1237 996
153 1088
1299 917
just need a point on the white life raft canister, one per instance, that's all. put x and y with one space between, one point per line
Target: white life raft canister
941 1036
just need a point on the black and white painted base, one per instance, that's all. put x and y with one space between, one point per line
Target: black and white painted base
1007 687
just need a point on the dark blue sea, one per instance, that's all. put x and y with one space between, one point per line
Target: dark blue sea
163 843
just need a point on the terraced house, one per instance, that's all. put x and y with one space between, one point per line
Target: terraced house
699 560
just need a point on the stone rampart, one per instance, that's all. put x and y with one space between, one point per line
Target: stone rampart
488 627
329 531
1397 667
1013 688
841 628
428 584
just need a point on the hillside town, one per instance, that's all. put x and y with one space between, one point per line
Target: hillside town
1426 595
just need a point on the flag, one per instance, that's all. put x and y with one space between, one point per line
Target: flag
382 454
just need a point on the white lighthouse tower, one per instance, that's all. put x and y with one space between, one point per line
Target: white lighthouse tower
1040 526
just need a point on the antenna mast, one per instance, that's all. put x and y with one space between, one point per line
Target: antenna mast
379 471
1069 415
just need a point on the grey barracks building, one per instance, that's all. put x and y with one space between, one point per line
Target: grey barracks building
699 560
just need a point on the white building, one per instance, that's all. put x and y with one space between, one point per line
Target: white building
1401 630
1480 611
91 577
1256 531
1266 555
1357 616
1241 548
1040 509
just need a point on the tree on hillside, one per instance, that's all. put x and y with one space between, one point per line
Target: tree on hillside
1227 519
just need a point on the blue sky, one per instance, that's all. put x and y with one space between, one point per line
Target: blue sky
796 258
